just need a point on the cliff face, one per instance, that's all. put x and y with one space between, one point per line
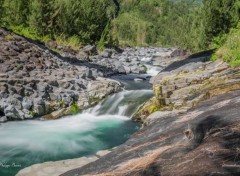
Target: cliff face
194 129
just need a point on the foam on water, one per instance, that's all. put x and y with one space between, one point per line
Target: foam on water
123 103
153 70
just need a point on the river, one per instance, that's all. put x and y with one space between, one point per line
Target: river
108 124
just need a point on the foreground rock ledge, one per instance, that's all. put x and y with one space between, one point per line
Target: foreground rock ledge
202 141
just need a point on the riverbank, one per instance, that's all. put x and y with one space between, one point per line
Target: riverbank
36 81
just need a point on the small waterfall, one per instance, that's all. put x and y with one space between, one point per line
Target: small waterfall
153 70
124 103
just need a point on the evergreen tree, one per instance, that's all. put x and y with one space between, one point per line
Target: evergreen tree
22 12
220 16
42 16
1 9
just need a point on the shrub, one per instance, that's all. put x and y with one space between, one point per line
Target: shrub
74 108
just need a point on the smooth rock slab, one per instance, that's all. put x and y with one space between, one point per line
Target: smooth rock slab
55 168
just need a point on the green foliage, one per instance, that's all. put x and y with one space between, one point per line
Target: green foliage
107 39
72 21
219 17
230 51
190 24
161 23
74 108
33 113
1 9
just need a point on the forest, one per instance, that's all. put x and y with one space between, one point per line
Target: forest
193 25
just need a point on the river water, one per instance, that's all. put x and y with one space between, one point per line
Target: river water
102 127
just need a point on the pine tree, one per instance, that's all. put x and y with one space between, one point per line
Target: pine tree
42 16
23 11
1 9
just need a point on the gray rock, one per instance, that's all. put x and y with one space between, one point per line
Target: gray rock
27 103
11 112
53 83
39 109
15 102
55 97
3 119
120 68
39 101
90 50
106 53
82 55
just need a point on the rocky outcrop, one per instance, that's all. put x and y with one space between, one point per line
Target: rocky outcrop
35 81
186 83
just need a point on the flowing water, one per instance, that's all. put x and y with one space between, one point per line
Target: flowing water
102 127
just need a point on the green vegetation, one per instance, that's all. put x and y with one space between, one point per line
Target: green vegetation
194 25
68 22
33 113
74 108
230 51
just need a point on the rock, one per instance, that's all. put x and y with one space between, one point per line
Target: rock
178 52
27 103
3 119
39 109
55 97
39 101
15 102
127 69
55 168
102 153
120 68
53 83
90 50
82 55
56 114
11 112
106 53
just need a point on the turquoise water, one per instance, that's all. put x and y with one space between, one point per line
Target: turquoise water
29 142
102 127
